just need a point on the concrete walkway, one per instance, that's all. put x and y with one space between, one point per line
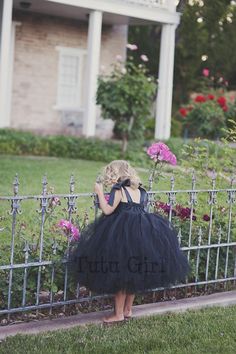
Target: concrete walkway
33 327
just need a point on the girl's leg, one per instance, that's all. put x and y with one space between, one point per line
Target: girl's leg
119 307
128 305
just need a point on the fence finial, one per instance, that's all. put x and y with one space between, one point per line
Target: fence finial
72 184
193 179
44 183
213 179
16 185
172 182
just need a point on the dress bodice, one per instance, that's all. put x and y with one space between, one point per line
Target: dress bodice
130 204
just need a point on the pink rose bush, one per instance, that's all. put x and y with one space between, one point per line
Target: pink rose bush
70 231
160 152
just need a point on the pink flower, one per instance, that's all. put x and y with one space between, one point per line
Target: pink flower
205 72
64 223
160 152
55 201
70 231
173 159
132 46
74 232
144 57
107 196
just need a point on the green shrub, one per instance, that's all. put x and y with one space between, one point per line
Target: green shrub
25 143
206 120
126 96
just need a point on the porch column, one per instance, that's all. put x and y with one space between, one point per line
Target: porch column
93 60
5 60
165 84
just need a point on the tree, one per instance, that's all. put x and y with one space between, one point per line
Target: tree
204 38
126 97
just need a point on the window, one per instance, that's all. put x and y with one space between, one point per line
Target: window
70 77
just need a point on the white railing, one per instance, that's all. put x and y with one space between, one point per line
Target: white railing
148 3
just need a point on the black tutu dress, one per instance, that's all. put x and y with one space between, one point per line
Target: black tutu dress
130 250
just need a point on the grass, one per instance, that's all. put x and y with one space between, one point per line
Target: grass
31 169
210 330
58 171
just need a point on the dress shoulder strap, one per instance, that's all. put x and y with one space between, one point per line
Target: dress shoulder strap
118 186
143 195
128 196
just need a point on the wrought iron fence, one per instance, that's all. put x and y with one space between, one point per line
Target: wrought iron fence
33 254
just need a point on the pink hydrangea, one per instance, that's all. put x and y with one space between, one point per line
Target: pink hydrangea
70 230
161 152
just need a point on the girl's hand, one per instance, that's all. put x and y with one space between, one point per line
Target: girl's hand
98 188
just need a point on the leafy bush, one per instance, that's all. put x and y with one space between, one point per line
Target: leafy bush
25 143
207 114
204 119
126 96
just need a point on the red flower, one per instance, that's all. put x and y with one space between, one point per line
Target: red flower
183 112
222 101
225 108
206 217
200 98
210 96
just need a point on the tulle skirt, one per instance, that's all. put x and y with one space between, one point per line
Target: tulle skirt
129 250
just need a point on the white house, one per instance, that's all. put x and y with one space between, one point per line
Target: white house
52 51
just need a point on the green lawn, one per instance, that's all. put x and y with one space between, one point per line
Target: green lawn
31 169
206 331
58 170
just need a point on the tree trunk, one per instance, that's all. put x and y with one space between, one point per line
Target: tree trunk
125 137
124 144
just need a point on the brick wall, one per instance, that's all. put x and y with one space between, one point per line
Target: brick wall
36 69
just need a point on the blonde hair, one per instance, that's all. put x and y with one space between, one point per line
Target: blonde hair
118 171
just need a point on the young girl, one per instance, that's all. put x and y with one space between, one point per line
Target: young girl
127 249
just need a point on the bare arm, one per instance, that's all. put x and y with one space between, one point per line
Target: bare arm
106 208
